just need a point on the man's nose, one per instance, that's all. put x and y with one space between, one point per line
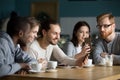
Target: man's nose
102 28
58 36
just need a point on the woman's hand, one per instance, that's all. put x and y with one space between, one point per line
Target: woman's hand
86 49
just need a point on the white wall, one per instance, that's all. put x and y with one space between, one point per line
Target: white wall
67 24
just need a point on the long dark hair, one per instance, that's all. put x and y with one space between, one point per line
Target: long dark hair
77 26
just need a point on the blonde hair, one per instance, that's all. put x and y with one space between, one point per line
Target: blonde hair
104 15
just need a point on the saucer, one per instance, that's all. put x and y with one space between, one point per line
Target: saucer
66 67
51 70
34 71
87 66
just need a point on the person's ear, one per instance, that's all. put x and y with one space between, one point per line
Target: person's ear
20 33
114 25
43 32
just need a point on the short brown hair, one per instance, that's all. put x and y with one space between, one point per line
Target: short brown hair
104 15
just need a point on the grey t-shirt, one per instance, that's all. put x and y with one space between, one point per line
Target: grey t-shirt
112 47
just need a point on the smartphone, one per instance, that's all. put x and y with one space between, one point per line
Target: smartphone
87 41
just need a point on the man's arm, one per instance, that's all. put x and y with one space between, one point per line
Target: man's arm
64 59
22 56
7 64
11 62
116 59
61 57
97 52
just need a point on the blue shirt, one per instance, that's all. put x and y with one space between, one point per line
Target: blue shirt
11 56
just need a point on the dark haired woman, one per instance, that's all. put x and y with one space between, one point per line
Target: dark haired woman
75 47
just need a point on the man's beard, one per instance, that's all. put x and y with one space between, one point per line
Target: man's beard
21 42
105 35
53 42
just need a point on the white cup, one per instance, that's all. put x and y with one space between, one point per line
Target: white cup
52 64
36 66
89 62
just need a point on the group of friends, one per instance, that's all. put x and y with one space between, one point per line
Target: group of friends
27 40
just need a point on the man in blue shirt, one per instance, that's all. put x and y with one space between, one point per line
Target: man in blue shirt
12 58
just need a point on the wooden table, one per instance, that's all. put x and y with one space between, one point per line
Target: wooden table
93 73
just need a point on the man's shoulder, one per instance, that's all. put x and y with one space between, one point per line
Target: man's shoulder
98 41
3 33
50 45
53 46
118 33
117 36
3 37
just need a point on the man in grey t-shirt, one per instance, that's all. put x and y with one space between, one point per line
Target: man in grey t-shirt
109 41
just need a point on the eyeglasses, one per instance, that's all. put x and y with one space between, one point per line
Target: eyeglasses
104 26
